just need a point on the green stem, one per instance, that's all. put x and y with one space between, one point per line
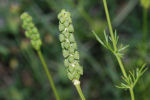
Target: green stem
145 25
80 91
115 47
113 39
121 65
132 94
109 25
48 74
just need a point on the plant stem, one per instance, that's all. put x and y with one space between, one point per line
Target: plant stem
48 74
121 66
125 75
80 91
115 47
113 39
109 25
132 94
145 25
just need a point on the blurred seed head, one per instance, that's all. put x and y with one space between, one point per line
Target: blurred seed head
13 63
31 31
14 8
48 39
24 44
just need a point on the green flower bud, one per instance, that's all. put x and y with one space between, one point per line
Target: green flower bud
70 75
71 50
66 34
62 45
71 59
71 38
35 36
71 69
65 53
69 20
69 46
76 55
29 19
66 44
70 28
77 75
35 30
66 23
27 33
59 15
61 27
61 38
66 62
63 11
30 26
36 44
24 16
25 25
67 15
31 31
62 19
74 46
80 69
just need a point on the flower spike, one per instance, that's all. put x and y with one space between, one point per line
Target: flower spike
69 46
31 31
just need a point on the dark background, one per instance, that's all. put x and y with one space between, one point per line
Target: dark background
22 76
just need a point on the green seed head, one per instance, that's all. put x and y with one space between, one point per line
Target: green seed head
145 3
31 31
69 46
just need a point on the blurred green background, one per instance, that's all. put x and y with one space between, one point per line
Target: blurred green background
22 76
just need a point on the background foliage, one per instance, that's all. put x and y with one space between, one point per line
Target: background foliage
21 74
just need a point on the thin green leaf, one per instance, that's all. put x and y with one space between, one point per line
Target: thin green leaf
123 48
98 39
106 37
